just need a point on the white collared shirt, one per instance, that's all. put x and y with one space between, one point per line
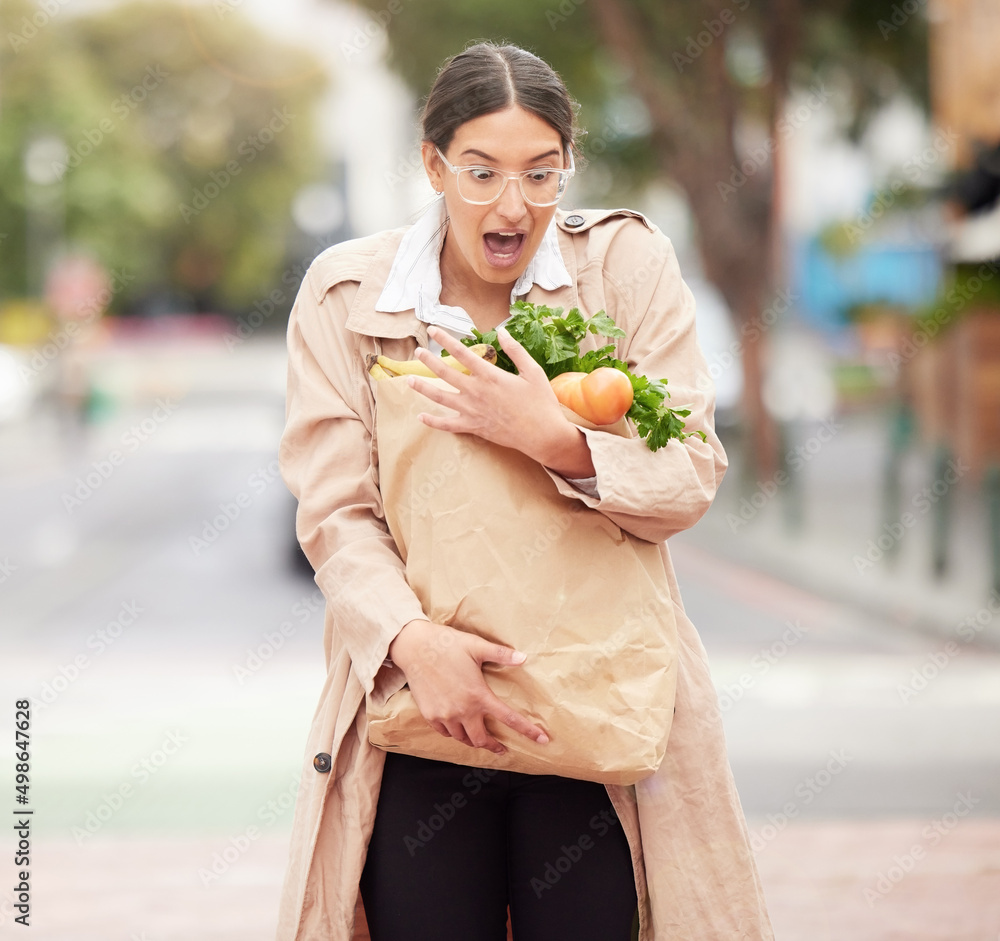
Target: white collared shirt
414 283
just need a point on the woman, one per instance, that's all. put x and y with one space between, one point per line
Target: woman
441 850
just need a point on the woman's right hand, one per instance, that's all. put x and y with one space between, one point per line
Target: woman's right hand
443 668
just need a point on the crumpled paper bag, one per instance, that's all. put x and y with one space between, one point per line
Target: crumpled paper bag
491 547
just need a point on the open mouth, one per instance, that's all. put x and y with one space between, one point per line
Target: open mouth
503 248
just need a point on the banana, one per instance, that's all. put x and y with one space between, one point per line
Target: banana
405 367
414 367
374 369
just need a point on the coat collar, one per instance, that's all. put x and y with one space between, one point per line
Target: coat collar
363 318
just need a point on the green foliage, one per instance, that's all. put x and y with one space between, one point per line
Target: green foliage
553 341
187 134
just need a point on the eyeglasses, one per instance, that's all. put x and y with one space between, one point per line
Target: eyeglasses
540 186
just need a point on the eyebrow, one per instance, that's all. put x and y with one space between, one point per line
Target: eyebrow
478 153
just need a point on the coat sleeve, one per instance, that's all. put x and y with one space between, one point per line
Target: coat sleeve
653 495
326 459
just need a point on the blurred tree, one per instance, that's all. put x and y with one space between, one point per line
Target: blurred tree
166 140
695 92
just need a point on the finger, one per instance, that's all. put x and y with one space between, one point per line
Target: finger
519 356
497 708
439 423
485 652
440 369
457 349
457 731
480 738
453 420
443 395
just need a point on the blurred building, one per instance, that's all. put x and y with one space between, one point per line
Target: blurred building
965 71
965 366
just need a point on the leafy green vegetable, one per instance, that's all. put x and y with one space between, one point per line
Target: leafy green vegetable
553 340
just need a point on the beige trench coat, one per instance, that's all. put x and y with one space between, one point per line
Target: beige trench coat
695 874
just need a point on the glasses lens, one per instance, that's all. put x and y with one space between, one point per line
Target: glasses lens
479 184
543 187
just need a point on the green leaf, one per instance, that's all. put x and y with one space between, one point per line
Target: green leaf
533 336
604 326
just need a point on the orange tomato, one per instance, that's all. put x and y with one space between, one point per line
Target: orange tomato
567 389
602 397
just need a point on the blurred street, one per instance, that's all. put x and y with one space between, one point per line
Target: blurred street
174 655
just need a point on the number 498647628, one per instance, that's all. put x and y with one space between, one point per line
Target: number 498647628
22 739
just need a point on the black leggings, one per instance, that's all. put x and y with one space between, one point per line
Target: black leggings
454 845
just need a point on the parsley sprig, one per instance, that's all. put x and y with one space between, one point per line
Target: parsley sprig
553 340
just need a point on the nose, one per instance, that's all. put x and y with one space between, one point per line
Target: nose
511 205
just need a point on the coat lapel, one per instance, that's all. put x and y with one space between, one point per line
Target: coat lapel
364 319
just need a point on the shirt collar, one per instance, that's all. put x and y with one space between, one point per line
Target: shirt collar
414 282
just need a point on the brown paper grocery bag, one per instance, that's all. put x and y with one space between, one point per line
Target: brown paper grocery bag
491 547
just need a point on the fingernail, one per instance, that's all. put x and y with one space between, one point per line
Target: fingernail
518 657
411 381
542 739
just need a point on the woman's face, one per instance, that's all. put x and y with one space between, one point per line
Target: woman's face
494 242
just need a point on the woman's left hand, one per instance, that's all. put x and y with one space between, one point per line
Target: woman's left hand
519 412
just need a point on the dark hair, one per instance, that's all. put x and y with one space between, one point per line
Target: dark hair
485 78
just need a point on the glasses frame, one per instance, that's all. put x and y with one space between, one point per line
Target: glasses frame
519 176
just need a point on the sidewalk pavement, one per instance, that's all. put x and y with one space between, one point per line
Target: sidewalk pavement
824 881
843 547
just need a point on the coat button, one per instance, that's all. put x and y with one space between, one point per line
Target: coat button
574 220
322 763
